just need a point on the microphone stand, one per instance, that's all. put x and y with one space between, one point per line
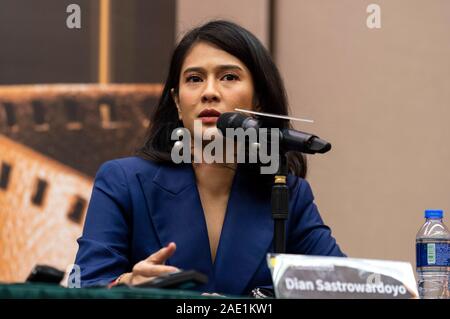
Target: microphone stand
280 204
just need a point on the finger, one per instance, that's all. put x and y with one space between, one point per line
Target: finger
163 254
137 280
151 270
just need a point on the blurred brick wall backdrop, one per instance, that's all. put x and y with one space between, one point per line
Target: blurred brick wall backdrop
52 140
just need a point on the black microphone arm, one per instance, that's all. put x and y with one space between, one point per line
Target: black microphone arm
290 140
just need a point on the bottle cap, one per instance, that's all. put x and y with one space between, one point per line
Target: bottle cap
434 213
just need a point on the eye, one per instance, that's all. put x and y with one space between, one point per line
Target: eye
230 77
193 78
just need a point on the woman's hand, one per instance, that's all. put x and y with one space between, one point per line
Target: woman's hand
151 267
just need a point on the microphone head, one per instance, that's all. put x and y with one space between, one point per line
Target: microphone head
230 120
320 146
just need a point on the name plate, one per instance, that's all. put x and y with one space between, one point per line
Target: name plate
301 276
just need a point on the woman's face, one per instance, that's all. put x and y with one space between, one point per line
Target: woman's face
212 82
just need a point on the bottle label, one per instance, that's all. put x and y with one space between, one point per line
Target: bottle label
433 253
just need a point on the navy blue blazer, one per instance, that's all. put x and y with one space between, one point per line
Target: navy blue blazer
138 206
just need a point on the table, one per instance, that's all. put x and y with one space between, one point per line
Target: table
49 291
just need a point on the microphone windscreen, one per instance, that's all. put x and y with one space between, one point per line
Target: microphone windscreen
230 120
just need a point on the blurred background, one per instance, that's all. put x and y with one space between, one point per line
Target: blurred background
76 91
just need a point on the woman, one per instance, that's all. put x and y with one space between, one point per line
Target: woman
148 216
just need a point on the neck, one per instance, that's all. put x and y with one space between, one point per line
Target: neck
215 178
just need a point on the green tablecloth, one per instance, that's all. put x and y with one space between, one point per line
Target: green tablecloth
33 291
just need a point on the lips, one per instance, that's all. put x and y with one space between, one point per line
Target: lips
209 116
209 113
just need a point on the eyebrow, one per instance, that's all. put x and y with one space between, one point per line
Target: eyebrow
220 68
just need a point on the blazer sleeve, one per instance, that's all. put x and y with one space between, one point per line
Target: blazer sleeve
104 245
307 233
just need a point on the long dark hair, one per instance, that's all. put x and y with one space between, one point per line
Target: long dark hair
270 93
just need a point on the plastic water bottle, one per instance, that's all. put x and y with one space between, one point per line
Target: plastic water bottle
432 256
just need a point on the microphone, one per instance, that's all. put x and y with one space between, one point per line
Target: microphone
290 140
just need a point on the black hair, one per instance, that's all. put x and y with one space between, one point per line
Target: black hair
270 93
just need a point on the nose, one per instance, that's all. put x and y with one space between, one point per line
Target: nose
210 94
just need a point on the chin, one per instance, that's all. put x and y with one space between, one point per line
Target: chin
212 129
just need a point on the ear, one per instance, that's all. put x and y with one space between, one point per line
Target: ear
176 100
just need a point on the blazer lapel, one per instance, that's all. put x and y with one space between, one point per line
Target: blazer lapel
246 235
177 215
